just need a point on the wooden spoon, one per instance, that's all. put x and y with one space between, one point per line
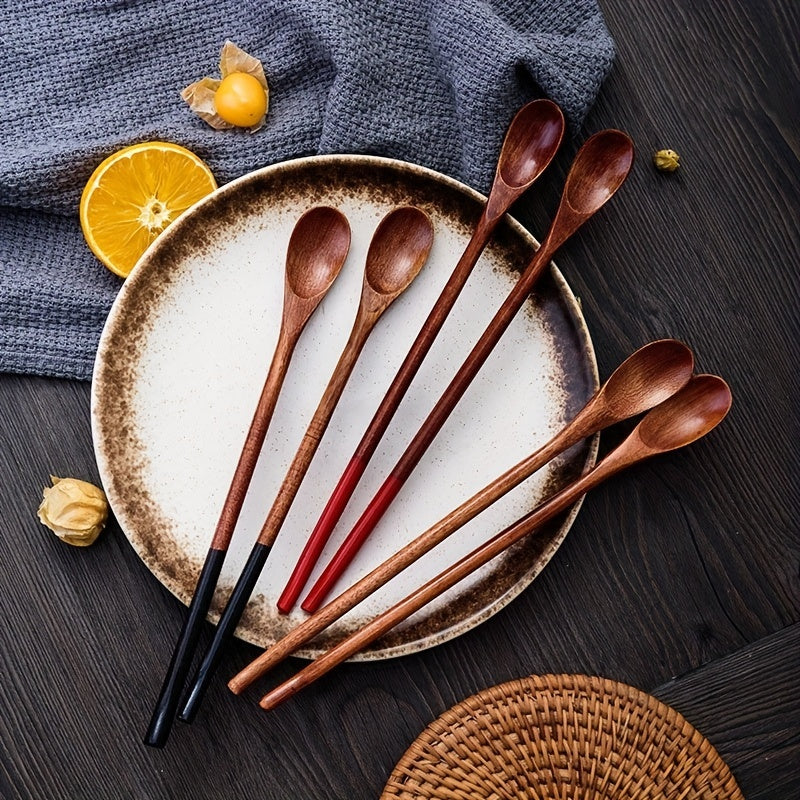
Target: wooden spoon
317 250
599 169
530 144
647 377
398 250
682 419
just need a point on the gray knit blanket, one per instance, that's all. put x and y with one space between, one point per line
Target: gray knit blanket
434 82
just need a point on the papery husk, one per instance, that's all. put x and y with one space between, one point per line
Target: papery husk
234 59
200 97
75 510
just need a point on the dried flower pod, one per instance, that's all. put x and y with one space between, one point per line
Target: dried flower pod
666 160
200 95
76 511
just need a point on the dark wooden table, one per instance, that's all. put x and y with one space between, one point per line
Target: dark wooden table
680 578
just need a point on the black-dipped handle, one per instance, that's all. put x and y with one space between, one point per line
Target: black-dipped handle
225 630
167 703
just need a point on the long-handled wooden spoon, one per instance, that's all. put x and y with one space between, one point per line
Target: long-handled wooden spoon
317 250
682 419
532 140
599 169
398 250
647 377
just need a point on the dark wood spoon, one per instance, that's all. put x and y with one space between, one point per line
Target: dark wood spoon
599 169
317 250
682 419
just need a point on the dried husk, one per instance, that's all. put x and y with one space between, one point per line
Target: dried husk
76 511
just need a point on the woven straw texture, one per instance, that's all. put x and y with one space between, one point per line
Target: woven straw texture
562 737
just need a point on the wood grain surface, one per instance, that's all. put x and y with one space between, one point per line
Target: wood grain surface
681 577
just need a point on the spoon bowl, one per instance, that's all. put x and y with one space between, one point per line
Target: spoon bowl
646 378
398 250
599 169
524 156
686 416
317 249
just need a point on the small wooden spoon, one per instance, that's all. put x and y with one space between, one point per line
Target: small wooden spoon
317 250
532 140
599 169
647 377
682 419
398 250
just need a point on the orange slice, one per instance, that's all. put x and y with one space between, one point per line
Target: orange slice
134 195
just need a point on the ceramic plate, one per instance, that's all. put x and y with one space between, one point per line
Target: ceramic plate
186 348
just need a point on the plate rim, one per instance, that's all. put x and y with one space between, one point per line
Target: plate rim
342 159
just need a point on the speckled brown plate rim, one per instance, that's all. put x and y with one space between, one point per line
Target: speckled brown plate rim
479 607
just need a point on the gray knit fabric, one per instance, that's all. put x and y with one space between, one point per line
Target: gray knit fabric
430 81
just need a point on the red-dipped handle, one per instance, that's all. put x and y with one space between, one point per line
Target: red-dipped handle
321 533
350 546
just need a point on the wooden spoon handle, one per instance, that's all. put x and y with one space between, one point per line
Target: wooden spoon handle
237 602
167 702
254 440
441 583
315 431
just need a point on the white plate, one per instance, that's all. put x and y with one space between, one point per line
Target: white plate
186 348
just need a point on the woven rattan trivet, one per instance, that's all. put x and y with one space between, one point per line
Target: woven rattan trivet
562 737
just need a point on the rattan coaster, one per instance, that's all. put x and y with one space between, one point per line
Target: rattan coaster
562 737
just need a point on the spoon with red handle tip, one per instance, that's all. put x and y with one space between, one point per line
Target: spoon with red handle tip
646 378
532 140
682 419
398 250
317 250
599 169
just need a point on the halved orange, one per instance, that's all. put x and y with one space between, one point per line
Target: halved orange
134 194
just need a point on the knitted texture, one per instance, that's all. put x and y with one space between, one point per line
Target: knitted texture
434 82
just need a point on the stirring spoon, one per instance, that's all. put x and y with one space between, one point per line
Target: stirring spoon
532 140
682 419
399 248
646 378
599 169
317 250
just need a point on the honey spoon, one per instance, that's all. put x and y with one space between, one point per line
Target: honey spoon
646 378
533 138
599 169
317 250
682 419
399 248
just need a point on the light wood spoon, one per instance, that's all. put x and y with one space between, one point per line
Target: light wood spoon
647 377
317 250
399 248
682 419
